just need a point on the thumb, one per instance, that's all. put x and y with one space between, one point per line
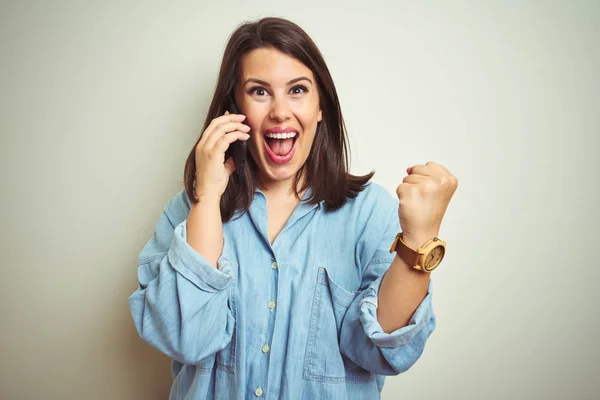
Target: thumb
229 166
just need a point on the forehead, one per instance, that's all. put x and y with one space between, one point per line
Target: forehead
272 66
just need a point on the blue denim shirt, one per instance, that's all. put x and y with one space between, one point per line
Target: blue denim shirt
292 320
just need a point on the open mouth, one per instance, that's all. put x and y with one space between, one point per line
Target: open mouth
280 147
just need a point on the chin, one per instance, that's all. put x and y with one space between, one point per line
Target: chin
280 173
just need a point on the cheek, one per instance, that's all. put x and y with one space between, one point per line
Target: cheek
252 122
310 115
255 116
309 121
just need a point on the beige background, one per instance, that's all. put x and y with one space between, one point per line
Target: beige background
100 104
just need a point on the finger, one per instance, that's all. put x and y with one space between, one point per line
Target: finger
219 121
222 145
419 169
405 190
426 170
439 169
215 123
223 129
414 178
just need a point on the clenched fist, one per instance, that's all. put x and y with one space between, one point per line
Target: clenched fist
424 195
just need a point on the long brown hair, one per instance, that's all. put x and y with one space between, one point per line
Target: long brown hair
326 168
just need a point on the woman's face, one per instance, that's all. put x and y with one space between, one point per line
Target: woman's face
278 95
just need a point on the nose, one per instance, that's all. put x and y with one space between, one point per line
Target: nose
280 109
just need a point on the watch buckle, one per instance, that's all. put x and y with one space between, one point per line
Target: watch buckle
395 243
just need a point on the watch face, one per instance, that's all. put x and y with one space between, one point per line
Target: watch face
434 258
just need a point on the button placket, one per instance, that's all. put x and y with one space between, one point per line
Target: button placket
265 348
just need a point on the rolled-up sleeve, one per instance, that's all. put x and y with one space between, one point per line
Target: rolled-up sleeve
362 338
364 342
422 321
181 306
192 265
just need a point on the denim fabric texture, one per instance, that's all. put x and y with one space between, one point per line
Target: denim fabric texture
293 320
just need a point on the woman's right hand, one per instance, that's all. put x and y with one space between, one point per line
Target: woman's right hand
212 170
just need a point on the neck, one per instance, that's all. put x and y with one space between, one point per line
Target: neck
280 189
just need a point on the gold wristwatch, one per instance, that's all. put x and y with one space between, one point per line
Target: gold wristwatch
424 259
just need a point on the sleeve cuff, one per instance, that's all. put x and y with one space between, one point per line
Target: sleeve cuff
194 267
402 336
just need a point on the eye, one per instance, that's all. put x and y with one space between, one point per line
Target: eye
258 91
299 89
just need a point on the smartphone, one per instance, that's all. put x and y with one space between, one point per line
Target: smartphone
238 149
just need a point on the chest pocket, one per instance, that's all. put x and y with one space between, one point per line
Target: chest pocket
323 361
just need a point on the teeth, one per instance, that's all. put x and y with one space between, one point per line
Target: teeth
281 135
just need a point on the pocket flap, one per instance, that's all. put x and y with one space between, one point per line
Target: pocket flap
340 296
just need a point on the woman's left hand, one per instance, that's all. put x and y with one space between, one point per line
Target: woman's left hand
424 196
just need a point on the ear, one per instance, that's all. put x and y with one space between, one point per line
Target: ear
320 117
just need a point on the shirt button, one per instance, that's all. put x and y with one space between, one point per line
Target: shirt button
258 392
274 265
272 304
265 348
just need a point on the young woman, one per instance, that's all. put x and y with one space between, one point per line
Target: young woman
277 280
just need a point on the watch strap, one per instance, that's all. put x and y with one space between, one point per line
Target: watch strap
404 252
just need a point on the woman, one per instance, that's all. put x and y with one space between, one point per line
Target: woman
278 280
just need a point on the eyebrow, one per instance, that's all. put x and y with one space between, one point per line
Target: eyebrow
264 83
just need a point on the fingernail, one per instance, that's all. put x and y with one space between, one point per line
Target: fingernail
226 112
